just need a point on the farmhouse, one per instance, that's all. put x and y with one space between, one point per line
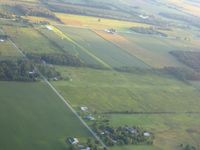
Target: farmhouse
89 117
143 16
73 141
111 31
31 72
83 108
87 148
131 130
49 27
147 134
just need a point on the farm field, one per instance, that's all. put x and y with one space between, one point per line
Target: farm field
7 50
33 117
158 48
68 45
187 6
107 52
94 23
123 74
108 91
170 130
149 50
29 40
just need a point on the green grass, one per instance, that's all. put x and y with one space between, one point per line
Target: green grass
69 47
33 117
155 50
135 147
8 50
29 40
106 91
104 50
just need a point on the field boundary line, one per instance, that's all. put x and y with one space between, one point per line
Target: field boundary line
150 113
63 99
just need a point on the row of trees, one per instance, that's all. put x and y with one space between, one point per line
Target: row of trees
17 71
92 144
56 59
25 70
192 20
188 147
189 58
121 135
32 10
180 73
150 31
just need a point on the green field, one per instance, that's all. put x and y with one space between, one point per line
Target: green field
29 40
33 117
107 52
164 104
135 147
70 47
106 91
7 50
154 50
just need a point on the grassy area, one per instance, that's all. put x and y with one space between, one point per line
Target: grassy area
108 91
134 147
152 50
29 40
33 117
8 50
67 45
105 51
170 130
94 23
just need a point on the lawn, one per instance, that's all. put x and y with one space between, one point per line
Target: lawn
29 40
33 117
109 91
108 53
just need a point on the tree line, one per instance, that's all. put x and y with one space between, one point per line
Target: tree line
25 70
32 10
56 59
150 31
180 73
189 58
122 135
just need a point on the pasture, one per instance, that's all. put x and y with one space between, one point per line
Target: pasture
33 117
108 53
109 91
